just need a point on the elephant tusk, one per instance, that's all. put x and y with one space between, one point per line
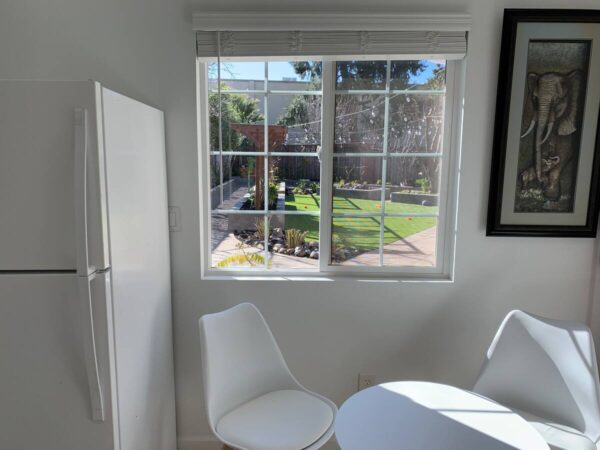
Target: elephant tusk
529 130
548 131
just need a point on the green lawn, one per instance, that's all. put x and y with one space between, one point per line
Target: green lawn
359 232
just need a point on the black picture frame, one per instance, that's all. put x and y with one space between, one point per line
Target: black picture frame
495 226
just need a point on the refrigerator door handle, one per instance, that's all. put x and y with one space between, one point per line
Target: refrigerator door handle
80 178
89 342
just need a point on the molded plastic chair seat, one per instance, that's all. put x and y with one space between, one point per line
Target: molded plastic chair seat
546 368
280 420
253 402
558 437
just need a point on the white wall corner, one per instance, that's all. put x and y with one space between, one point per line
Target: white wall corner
594 300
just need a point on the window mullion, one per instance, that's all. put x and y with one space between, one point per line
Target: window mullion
452 135
386 121
203 124
266 168
220 125
327 136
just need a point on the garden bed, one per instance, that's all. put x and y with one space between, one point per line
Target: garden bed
415 198
363 191
239 222
278 243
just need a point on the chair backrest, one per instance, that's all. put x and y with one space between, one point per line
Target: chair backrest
240 360
545 367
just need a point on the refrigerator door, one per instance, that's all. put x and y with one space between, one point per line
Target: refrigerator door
43 168
45 393
138 229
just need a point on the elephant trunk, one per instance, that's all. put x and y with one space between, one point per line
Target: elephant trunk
542 133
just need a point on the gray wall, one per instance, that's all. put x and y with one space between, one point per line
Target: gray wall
328 330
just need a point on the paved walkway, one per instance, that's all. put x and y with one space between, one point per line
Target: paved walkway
219 232
415 250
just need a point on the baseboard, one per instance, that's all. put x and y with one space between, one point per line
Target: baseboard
199 443
211 443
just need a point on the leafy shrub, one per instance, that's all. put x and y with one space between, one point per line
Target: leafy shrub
424 183
304 186
272 195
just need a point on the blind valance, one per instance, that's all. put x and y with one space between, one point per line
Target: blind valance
294 45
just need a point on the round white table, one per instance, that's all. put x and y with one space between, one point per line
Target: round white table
415 415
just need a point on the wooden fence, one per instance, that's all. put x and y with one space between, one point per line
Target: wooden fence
401 171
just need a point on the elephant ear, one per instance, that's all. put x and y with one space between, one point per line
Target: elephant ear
573 83
529 113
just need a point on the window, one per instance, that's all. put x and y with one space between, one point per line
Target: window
328 165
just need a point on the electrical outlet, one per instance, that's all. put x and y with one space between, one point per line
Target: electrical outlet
365 380
174 218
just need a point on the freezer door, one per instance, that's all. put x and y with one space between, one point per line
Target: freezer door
45 394
42 169
138 228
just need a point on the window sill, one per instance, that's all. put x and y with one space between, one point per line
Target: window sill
329 277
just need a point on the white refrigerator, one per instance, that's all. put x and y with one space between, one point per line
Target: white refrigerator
86 352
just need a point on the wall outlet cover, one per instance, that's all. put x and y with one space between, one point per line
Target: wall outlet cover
365 380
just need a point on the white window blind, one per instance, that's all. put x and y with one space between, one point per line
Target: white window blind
239 45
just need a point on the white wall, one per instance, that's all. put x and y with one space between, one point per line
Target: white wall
329 331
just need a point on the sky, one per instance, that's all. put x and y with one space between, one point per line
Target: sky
283 69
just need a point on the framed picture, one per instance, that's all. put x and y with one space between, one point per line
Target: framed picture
545 162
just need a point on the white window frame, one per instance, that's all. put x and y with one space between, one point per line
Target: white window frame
447 215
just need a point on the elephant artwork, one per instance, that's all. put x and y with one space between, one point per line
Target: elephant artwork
551 126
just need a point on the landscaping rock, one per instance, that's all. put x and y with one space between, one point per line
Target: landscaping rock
277 243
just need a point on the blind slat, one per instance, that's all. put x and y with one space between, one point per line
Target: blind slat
356 44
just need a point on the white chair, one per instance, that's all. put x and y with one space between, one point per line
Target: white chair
253 402
546 371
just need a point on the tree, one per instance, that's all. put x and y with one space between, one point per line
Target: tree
416 120
296 112
438 79
235 108
362 74
421 131
246 108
